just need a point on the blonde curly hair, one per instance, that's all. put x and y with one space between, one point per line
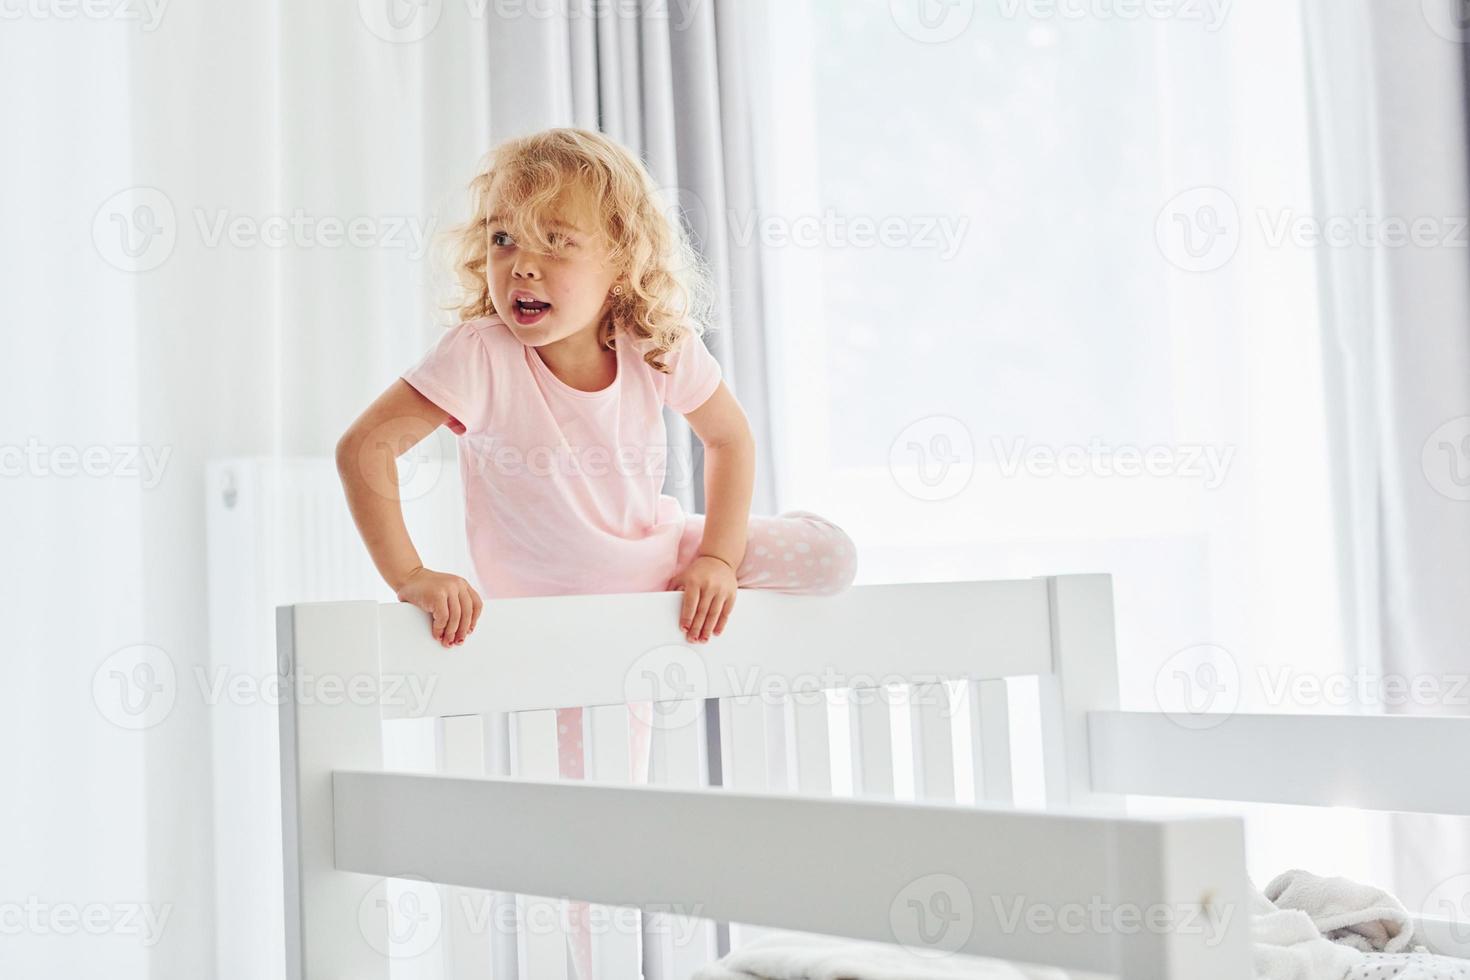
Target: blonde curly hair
667 294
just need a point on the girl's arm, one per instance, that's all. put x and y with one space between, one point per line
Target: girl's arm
729 474
367 456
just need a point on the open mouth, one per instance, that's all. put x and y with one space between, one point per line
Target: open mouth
528 311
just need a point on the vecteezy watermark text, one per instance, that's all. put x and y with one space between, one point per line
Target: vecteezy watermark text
1210 464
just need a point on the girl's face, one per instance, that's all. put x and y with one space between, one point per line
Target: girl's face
546 297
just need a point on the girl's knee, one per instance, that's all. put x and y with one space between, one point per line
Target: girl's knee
840 560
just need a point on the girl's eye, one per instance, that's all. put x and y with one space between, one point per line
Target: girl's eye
501 239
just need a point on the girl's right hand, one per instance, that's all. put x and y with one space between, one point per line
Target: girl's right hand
451 602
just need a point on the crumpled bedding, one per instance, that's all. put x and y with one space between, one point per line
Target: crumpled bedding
1323 929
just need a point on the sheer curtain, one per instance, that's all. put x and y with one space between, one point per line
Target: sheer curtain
1389 86
216 219
219 228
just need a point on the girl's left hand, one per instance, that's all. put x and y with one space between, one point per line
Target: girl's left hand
709 590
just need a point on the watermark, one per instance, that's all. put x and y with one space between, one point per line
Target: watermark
223 685
688 216
1200 230
1449 903
933 915
936 914
1209 14
677 679
137 229
1205 462
36 917
1198 687
143 463
146 13
1101 916
301 229
495 457
1287 686
1450 19
1445 459
135 688
932 21
672 676
933 458
831 229
406 920
410 21
1201 687
1361 229
403 925
397 460
912 688
138 687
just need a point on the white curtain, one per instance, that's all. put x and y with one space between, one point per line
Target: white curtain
214 219
218 221
1389 92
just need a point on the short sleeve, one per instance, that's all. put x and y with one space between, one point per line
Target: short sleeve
694 375
455 375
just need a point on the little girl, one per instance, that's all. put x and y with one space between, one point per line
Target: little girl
580 321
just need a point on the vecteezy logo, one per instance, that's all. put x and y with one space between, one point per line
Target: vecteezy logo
135 687
1445 458
1450 19
674 678
400 21
401 917
1448 902
135 229
1198 687
933 458
933 915
932 21
685 211
1199 230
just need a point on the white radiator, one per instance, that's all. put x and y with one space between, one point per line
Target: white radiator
279 532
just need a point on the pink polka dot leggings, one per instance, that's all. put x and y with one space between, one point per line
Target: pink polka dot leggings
797 552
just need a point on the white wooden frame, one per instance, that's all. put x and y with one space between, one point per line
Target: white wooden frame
768 846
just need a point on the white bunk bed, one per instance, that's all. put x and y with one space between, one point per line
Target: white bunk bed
488 845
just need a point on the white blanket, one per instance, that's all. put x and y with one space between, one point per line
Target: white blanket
1352 914
805 956
1286 946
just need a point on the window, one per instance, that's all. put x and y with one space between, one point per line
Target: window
1027 314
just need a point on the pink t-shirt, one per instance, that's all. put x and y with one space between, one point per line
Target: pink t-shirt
563 488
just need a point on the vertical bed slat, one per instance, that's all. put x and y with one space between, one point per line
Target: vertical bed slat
468 944
674 946
872 743
810 748
615 947
745 757
931 718
495 727
541 939
990 740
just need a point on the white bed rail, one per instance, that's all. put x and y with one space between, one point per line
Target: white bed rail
731 713
940 879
